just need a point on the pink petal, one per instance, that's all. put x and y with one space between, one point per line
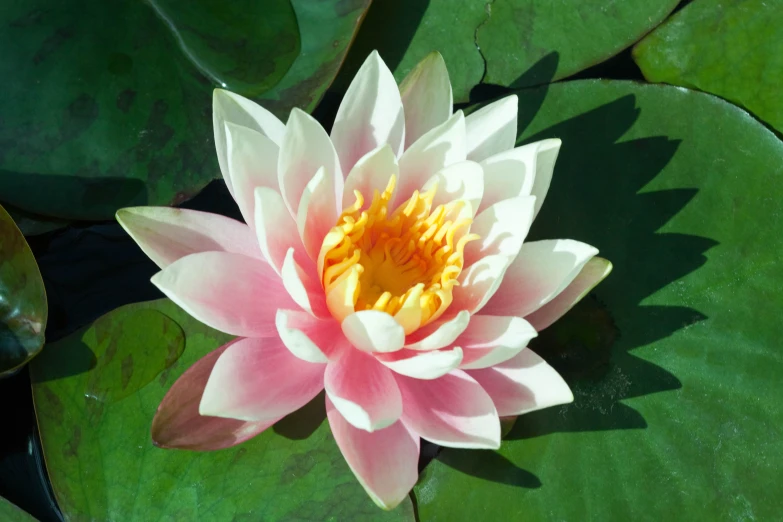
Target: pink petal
502 227
370 114
438 334
452 411
478 283
259 380
305 148
168 234
492 129
422 365
540 272
371 173
373 331
252 162
301 284
232 293
307 337
230 107
426 97
440 147
178 424
362 389
594 271
461 180
275 228
385 462
523 384
317 212
490 340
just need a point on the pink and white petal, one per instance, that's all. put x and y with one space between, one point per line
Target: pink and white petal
438 334
372 172
370 114
341 298
167 234
453 411
252 162
259 380
426 97
178 424
540 272
492 129
317 212
232 293
546 157
491 340
422 365
305 148
513 173
523 384
301 284
478 283
463 180
275 228
310 338
373 331
385 462
230 107
591 274
438 148
362 389
502 229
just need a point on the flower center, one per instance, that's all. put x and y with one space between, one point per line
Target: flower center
404 263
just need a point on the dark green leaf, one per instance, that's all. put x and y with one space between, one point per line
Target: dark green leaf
22 299
11 513
730 48
33 224
95 433
675 357
110 103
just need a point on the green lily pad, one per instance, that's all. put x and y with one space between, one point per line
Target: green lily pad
110 104
11 513
23 308
33 224
730 48
499 42
675 357
103 465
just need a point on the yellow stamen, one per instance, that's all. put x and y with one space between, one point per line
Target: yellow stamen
404 262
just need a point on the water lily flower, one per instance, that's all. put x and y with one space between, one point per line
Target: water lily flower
385 262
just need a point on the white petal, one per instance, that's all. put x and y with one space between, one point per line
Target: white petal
462 180
438 334
502 227
230 107
426 97
513 172
305 148
490 340
439 148
523 384
371 173
302 286
275 228
370 115
373 331
317 212
422 365
542 270
593 273
478 283
307 337
545 166
492 129
252 162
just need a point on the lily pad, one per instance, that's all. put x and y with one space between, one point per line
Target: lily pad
730 48
11 513
103 465
23 308
673 359
110 104
32 224
498 42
